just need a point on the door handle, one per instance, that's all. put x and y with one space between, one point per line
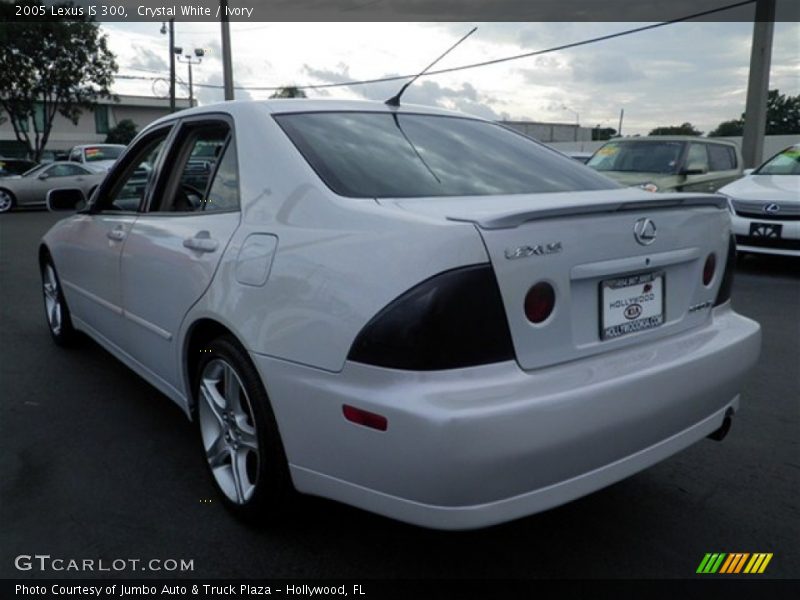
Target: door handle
201 242
117 234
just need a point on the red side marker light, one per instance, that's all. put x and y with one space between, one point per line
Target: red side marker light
364 417
539 302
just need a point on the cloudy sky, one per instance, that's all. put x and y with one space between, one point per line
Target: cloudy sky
693 72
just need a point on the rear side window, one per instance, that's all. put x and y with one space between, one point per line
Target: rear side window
385 155
721 158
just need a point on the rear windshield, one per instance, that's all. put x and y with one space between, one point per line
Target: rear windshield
638 157
786 162
95 153
384 155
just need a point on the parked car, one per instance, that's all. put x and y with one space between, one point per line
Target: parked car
14 166
416 312
669 163
765 206
30 188
97 157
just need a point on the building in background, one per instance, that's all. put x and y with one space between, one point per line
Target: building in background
93 125
551 132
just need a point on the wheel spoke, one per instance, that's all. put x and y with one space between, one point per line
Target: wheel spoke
239 473
232 391
213 399
248 440
217 452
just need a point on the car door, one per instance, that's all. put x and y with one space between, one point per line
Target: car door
173 249
89 256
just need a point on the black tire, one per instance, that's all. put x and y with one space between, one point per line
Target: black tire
7 201
61 329
268 474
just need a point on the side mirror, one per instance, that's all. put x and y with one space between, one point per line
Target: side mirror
43 176
747 172
695 169
65 199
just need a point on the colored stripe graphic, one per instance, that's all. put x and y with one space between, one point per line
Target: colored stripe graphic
734 563
703 563
765 563
726 565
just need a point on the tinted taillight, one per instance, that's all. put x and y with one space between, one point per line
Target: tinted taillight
452 320
724 293
539 302
708 269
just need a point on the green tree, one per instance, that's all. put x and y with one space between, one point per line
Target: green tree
783 117
603 133
48 68
122 133
733 127
683 129
289 92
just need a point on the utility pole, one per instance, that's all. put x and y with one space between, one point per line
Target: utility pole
621 114
199 53
171 61
755 117
227 62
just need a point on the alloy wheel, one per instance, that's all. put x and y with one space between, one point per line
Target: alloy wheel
52 299
228 430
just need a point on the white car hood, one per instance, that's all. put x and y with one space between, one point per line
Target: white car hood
765 188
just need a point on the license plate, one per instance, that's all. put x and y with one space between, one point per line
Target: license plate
766 230
630 304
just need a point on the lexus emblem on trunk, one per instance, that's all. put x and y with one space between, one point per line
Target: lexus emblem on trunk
771 208
644 230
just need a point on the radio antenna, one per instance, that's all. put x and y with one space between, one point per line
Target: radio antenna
395 100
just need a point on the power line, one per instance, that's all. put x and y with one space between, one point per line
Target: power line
485 63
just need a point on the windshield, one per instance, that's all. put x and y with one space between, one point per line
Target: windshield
385 155
638 157
787 162
95 153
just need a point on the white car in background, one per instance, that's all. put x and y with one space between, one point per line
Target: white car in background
765 205
419 313
96 157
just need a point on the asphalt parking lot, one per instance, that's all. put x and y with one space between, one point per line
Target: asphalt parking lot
95 463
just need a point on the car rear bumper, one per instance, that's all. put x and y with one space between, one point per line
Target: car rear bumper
474 447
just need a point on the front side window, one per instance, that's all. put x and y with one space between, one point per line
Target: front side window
786 162
387 155
697 158
65 170
638 157
135 178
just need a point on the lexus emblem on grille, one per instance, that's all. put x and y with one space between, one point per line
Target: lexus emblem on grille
644 230
771 208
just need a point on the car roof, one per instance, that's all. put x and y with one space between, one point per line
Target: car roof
305 105
81 146
670 138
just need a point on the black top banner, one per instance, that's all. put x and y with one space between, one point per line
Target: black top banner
396 10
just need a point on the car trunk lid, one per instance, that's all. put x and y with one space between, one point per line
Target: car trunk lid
583 244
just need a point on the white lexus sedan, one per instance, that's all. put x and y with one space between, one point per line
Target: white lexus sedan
766 206
422 314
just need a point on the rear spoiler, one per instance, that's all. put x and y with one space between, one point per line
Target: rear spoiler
515 219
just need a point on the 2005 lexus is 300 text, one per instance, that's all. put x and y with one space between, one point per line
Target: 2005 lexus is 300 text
419 313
